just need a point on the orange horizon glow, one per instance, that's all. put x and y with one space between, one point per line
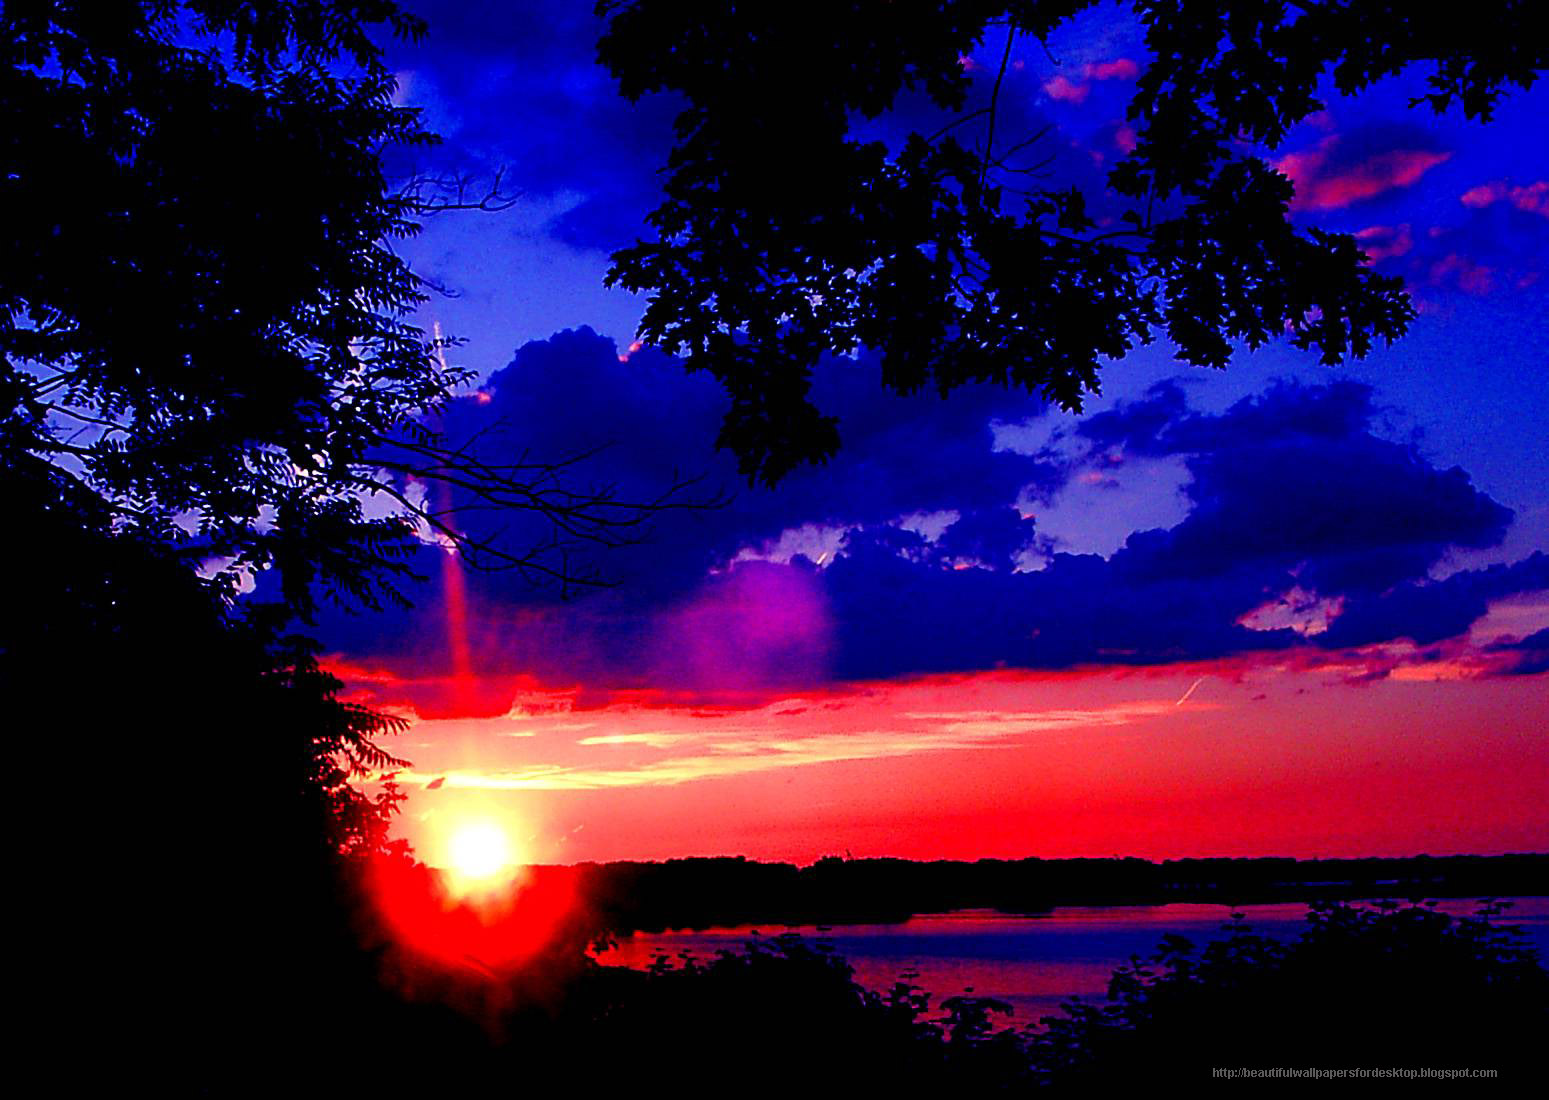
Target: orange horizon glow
1204 759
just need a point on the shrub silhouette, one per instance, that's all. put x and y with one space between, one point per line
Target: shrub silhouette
1363 986
788 1014
1386 985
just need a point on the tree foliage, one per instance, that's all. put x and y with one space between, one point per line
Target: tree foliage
789 232
209 359
203 318
205 340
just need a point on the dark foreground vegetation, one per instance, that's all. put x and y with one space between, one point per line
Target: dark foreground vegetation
1384 986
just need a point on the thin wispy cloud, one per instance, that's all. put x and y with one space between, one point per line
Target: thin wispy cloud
770 738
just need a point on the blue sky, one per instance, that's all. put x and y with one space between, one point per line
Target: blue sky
1349 526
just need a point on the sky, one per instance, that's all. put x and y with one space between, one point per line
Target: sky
1281 609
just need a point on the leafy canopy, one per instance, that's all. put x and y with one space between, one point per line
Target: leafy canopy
204 337
204 320
202 315
786 233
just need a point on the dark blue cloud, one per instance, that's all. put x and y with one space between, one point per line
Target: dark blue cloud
995 537
1530 655
1296 480
1427 612
897 615
1290 492
639 422
645 422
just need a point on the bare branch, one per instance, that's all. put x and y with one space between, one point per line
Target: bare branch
109 426
427 195
575 518
956 122
1000 76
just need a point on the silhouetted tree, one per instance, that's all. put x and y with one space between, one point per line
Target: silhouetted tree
209 369
206 321
207 339
790 231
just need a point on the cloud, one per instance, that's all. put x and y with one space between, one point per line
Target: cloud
666 746
1297 480
1531 198
645 421
1383 242
1066 90
1342 170
640 422
1431 611
1293 499
993 537
1498 247
1119 69
908 554
1527 656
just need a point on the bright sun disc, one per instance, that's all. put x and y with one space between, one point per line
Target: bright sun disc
480 851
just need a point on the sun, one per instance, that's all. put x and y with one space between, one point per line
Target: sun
480 853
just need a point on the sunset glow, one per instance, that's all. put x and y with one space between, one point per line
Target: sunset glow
870 549
1287 608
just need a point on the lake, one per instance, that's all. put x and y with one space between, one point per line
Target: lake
1032 962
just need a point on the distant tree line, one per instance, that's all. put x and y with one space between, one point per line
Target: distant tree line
703 893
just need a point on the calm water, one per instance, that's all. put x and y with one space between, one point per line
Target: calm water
1034 963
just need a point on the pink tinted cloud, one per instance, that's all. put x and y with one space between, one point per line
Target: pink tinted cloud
403 687
1120 69
1322 186
1066 90
1532 198
1382 242
1457 270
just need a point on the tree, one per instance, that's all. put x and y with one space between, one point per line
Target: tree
788 233
209 367
206 322
207 351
